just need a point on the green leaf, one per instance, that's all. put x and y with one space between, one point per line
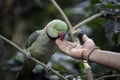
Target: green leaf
119 39
116 39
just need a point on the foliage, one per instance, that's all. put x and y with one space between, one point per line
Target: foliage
19 18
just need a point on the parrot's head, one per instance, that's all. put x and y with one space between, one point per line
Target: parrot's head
56 29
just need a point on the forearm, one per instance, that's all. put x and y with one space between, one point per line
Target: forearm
106 58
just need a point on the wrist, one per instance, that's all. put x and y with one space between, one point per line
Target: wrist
86 53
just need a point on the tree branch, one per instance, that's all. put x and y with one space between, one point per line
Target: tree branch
88 71
87 66
13 44
87 20
106 76
73 33
32 58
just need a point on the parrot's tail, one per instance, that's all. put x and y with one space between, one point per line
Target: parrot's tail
26 69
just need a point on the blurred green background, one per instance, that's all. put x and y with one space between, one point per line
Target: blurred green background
19 18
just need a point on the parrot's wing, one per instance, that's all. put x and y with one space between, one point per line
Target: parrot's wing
28 64
32 38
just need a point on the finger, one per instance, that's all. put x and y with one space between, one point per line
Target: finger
58 42
85 38
64 48
63 44
71 43
66 45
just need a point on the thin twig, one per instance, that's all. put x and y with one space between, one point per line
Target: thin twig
51 69
32 58
88 71
106 76
87 20
62 13
13 44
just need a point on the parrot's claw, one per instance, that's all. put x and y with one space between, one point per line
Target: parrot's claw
47 68
28 56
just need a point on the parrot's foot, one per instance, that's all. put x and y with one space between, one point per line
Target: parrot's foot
47 68
28 56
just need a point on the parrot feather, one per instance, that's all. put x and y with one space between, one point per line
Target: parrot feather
31 39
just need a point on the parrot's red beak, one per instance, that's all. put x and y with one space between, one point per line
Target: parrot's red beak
61 35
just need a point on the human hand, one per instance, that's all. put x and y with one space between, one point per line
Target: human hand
76 50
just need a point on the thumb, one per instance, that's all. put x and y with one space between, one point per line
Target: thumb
85 38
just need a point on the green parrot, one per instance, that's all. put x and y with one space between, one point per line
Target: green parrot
41 45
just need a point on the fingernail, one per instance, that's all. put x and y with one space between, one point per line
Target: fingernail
84 35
